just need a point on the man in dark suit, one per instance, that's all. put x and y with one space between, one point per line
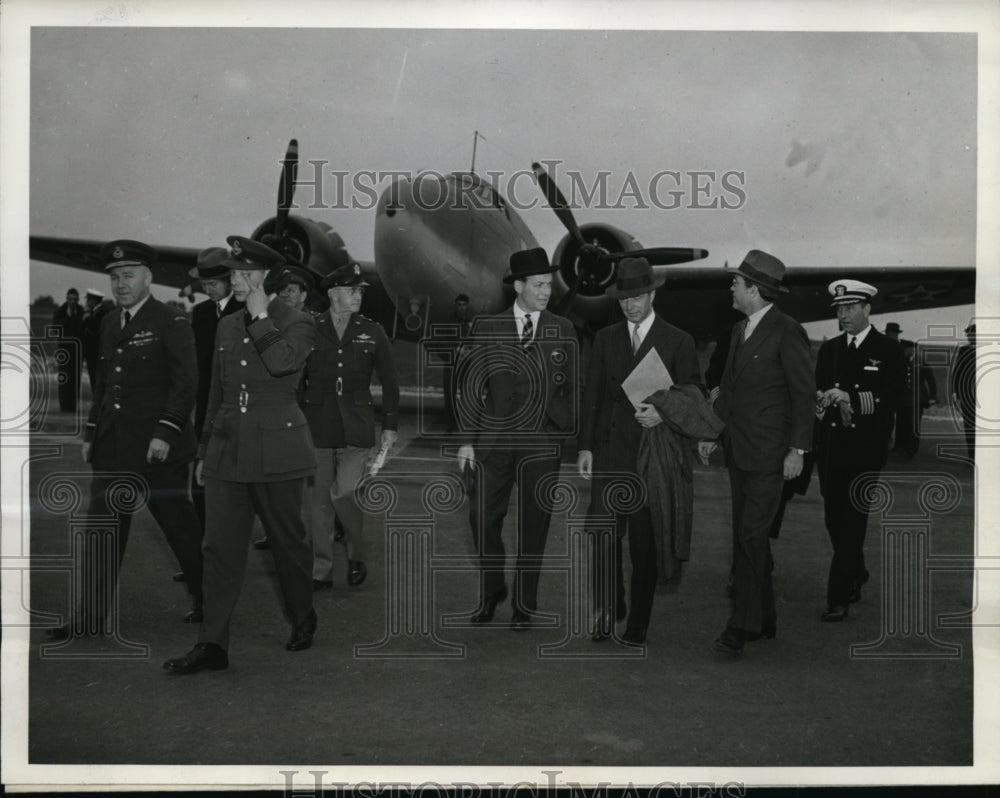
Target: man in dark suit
525 362
140 419
766 399
337 402
860 384
963 388
214 280
919 394
68 318
95 308
254 457
610 433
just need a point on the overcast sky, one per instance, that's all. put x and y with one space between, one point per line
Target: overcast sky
849 148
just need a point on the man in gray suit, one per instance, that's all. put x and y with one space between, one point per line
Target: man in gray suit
766 399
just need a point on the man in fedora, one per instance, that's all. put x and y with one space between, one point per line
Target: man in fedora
213 277
140 422
610 433
766 399
860 384
254 457
337 402
524 361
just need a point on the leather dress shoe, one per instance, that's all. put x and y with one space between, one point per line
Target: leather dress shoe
262 544
356 572
195 614
634 637
179 577
730 642
302 635
489 606
834 614
322 584
338 530
768 631
204 656
521 621
855 595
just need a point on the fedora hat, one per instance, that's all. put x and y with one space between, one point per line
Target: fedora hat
635 276
528 262
210 264
763 269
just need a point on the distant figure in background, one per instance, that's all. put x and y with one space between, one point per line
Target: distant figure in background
963 388
462 318
69 357
96 306
920 393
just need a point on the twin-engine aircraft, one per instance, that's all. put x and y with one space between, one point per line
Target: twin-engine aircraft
426 253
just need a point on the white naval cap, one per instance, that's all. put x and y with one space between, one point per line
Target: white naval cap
845 292
95 293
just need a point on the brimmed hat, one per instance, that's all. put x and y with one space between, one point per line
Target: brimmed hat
635 276
345 276
249 255
763 269
210 264
893 327
124 252
301 276
528 262
970 328
845 292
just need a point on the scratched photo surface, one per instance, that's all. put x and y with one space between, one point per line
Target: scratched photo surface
427 151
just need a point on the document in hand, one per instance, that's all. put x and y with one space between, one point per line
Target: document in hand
648 377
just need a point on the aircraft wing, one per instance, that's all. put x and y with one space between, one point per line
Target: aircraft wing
697 298
172 265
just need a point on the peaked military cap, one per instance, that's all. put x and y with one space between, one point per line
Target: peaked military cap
249 255
349 275
124 252
845 292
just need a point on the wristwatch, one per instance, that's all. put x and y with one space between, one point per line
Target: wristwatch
799 452
261 315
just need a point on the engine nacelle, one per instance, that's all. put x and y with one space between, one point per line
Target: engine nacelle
591 305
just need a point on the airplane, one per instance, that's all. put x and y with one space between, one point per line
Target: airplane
428 252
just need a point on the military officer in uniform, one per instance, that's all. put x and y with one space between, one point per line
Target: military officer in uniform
95 308
140 417
337 402
254 456
860 379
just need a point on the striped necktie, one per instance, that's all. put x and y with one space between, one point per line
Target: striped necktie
527 331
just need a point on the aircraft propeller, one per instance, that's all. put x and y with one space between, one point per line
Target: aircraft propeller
286 189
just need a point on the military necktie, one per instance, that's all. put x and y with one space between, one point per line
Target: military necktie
853 346
126 318
526 332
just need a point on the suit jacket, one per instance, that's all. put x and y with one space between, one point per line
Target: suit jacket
205 322
145 389
336 393
875 379
608 426
767 396
254 429
517 391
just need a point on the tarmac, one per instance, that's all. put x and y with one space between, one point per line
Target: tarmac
398 677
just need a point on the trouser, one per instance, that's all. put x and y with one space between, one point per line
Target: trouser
69 378
969 427
230 508
501 469
338 472
170 508
846 522
756 498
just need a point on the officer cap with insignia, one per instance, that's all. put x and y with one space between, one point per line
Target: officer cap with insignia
846 292
302 276
123 252
349 276
210 264
249 255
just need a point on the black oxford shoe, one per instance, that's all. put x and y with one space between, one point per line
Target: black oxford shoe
834 614
730 642
356 572
489 606
520 621
204 656
302 635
